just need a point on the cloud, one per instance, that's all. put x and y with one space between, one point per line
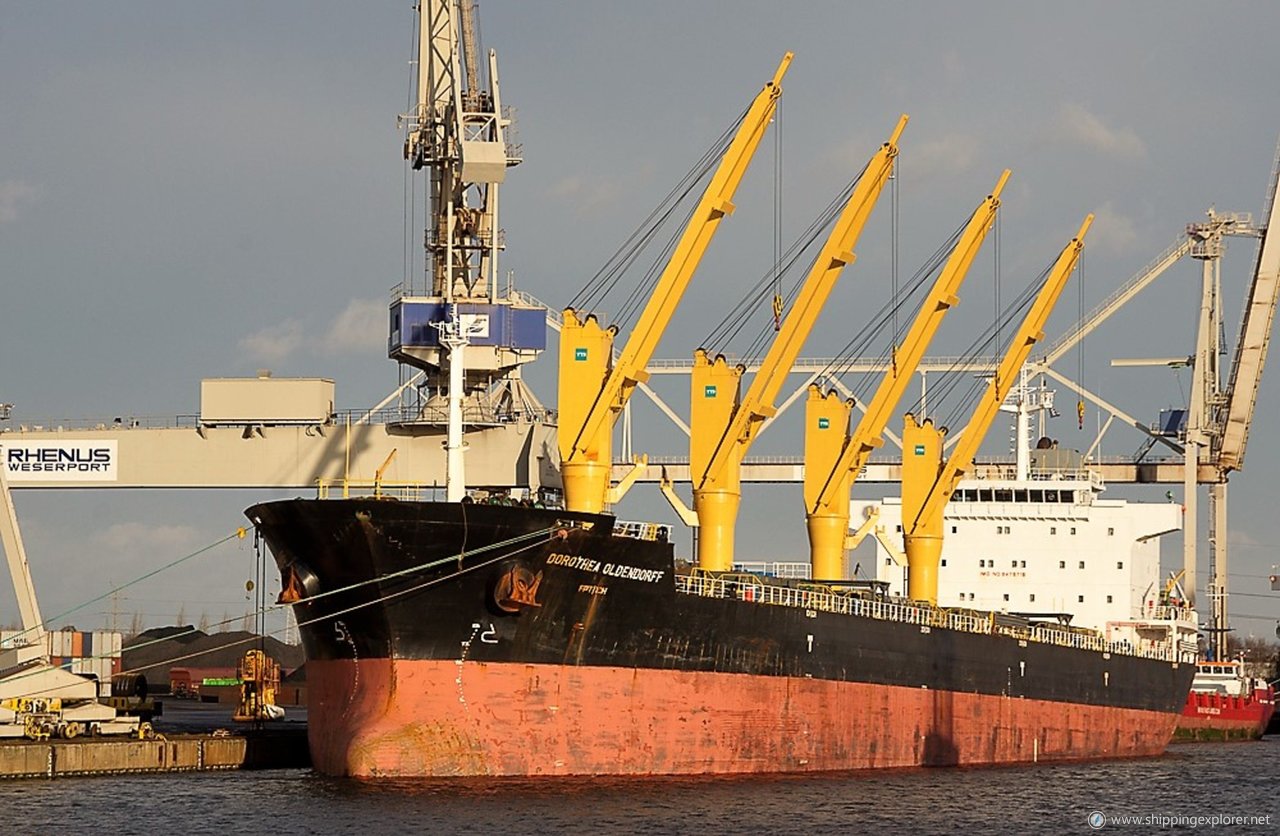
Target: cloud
362 325
273 343
588 196
134 536
1077 125
944 155
1236 537
13 193
1112 230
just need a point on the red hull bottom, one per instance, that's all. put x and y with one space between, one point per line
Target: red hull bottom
447 718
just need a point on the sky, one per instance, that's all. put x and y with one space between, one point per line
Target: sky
197 190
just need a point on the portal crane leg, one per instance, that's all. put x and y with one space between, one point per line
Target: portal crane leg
20 573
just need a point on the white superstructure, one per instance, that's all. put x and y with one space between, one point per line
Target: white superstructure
1037 537
1039 546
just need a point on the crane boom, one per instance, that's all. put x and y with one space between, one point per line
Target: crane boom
593 389
927 485
827 483
1251 348
722 430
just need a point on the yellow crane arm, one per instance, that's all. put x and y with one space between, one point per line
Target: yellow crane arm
836 254
1031 332
906 358
717 201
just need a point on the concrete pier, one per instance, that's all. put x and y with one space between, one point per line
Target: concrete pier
179 753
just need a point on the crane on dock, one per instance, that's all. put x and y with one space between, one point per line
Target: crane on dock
38 700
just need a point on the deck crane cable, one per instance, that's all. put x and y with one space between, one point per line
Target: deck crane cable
1080 344
942 396
728 329
520 543
893 239
237 534
911 298
536 539
808 248
409 214
985 346
642 290
860 344
995 310
777 217
607 277
593 294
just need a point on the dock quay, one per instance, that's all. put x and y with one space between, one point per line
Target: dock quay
206 752
190 736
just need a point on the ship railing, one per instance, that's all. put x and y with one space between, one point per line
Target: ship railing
379 489
754 590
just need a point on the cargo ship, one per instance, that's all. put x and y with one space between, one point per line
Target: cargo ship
471 639
493 632
1226 704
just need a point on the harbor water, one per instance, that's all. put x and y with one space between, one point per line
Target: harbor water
1215 788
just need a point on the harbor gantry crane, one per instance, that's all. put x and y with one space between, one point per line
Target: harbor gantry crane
723 426
38 699
467 335
832 456
594 388
927 484
1218 421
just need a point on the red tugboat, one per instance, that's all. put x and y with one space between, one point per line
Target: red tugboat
1226 704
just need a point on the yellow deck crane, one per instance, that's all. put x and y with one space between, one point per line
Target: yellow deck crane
832 456
721 426
593 389
927 484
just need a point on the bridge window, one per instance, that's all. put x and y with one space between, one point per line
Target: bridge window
1004 495
1037 496
984 494
1020 496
